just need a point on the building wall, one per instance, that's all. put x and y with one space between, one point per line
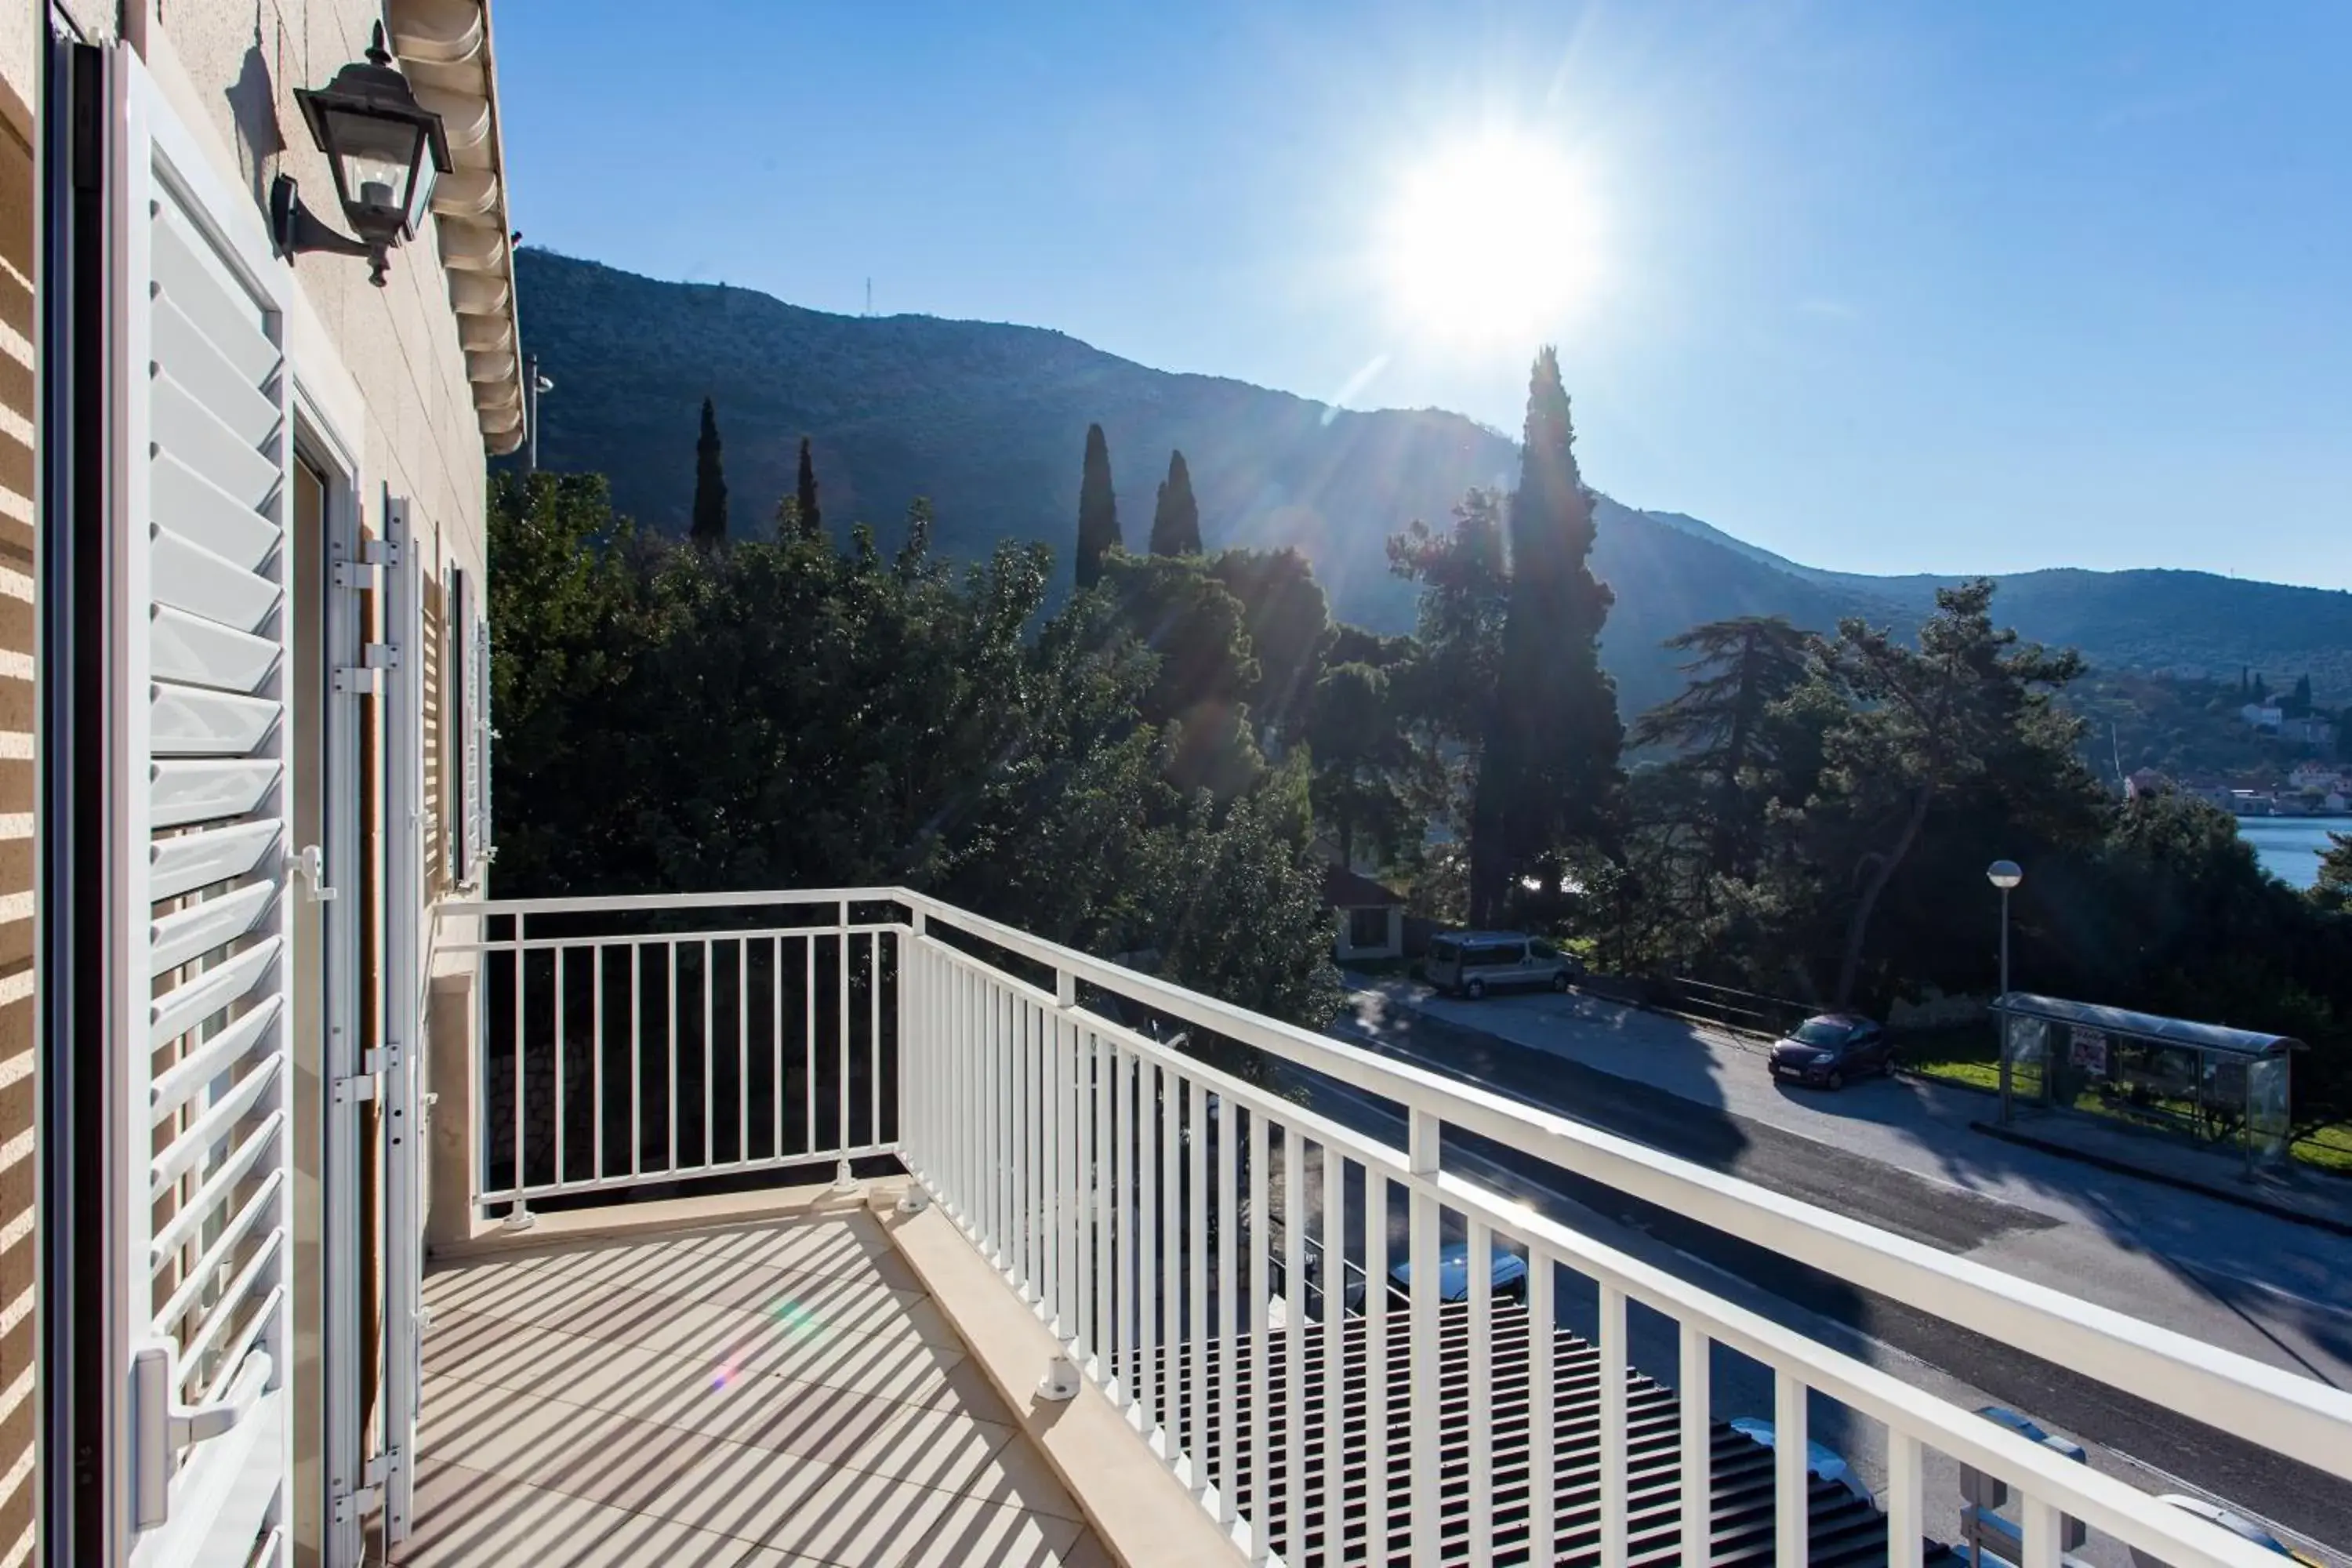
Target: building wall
231 71
1343 946
18 1169
393 369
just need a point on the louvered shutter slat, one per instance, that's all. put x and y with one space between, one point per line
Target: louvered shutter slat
202 486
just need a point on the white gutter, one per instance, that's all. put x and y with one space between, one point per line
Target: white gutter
444 47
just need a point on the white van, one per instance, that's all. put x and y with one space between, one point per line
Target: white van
1471 963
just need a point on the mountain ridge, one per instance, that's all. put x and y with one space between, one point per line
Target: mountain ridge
987 420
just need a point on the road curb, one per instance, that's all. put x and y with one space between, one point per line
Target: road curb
2126 1168
1937 1081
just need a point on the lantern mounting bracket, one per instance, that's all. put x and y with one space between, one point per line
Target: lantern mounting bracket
297 229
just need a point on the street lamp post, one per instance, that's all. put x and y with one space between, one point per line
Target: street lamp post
2004 875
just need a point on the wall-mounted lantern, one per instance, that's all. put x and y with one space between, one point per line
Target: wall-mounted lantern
385 150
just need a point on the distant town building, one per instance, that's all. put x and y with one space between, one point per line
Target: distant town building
2146 782
2265 717
2307 731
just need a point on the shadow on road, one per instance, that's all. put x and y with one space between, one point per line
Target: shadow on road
1693 1122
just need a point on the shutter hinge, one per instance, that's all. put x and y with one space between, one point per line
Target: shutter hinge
366 575
368 677
361 1086
369 1496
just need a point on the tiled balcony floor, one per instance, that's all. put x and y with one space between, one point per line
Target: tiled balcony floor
760 1396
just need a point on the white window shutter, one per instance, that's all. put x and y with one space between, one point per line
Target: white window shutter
469 636
199 514
402 1127
457 729
486 747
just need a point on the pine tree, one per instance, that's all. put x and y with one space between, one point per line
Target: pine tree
1721 725
1548 775
1176 520
811 520
710 526
1098 510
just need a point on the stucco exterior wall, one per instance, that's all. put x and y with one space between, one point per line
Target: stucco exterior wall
233 69
389 369
387 365
18 1168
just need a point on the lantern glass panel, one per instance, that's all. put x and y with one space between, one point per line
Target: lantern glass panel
375 159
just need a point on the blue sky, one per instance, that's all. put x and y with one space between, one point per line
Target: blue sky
1882 286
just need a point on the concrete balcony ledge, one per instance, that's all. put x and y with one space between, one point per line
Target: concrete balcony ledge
1141 1515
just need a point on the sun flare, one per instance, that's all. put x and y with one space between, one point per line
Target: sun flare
1491 242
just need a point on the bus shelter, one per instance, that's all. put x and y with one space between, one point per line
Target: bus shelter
2215 1084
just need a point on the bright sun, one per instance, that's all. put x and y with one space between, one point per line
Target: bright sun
1491 243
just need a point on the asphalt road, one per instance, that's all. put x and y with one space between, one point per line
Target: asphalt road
2126 1434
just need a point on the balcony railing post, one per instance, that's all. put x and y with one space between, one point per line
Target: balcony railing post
914 1044
1061 1379
845 1180
1423 1338
1421 1143
519 1215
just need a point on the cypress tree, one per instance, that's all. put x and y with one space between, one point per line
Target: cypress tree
1176 520
812 521
1548 773
1098 510
710 526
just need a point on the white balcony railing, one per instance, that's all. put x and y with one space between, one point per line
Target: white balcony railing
1175 1224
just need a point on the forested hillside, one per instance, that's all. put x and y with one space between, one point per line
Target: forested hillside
988 421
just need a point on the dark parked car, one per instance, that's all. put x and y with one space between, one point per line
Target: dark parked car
1828 1050
1508 1277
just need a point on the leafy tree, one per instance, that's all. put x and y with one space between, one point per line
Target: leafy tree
1722 724
1966 703
1365 765
807 514
1289 626
1458 619
1549 773
709 528
1098 510
2333 891
1354 645
1205 670
1247 905
1443 686
1176 517
567 594
782 714
914 562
